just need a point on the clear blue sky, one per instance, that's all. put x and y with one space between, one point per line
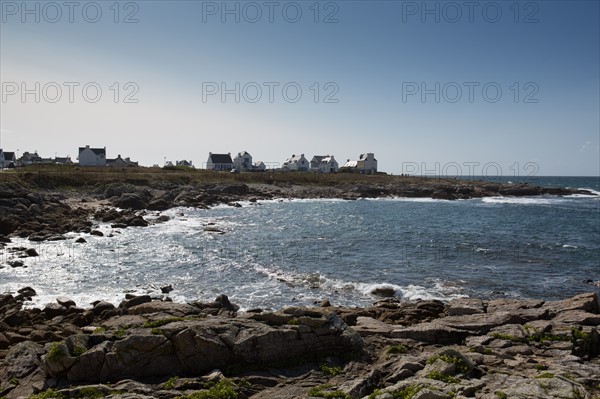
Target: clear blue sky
374 57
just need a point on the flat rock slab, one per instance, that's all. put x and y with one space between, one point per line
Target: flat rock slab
366 326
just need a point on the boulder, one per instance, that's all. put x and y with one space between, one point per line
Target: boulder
195 347
52 310
22 359
130 201
464 306
66 302
136 300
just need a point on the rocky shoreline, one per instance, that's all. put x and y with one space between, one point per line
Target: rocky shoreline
153 348
145 348
44 214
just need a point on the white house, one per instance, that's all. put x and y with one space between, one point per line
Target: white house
259 166
296 162
219 162
366 164
324 164
243 161
92 156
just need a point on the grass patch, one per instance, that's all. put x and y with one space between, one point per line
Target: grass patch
436 375
294 322
90 392
224 389
323 391
170 383
541 367
331 371
121 331
48 394
78 351
396 349
99 330
404 393
57 351
459 363
501 395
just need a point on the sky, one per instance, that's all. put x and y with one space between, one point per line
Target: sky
431 87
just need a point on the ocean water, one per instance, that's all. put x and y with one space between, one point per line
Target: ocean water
281 252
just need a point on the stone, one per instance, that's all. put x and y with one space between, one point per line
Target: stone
21 360
366 326
507 305
587 302
172 308
16 263
66 302
31 252
52 310
464 306
27 291
136 300
97 233
385 292
80 240
102 307
166 289
431 333
577 317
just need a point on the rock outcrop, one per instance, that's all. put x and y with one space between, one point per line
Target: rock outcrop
423 349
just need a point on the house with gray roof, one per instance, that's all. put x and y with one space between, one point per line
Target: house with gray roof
92 156
219 162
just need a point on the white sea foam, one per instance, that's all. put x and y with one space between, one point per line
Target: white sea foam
521 200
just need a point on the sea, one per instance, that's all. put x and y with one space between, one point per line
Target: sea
281 252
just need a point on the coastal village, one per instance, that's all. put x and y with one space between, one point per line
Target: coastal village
242 162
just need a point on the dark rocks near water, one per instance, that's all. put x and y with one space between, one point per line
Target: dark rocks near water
463 348
44 216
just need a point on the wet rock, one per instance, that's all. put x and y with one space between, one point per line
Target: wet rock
166 289
31 252
134 301
80 240
97 233
27 292
384 292
16 263
52 310
66 302
102 307
130 201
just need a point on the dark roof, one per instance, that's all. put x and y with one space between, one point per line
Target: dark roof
9 155
221 158
97 151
